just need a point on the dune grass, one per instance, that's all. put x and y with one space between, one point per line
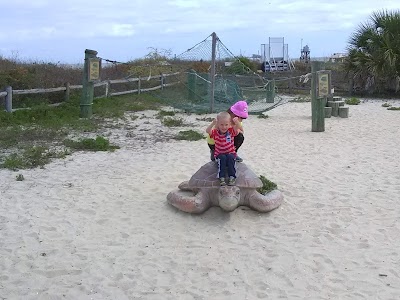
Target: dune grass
27 133
189 135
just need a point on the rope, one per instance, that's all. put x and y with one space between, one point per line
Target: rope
190 49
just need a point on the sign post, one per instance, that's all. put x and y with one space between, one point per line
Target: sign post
317 100
91 73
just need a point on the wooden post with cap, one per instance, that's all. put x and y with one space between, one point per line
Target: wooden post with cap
88 85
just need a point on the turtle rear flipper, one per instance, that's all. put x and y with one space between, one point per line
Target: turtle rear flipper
267 202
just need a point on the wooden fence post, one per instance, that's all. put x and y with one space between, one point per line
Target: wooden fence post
108 88
162 81
139 84
270 91
67 92
88 85
9 99
212 71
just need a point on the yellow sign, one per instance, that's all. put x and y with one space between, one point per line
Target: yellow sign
94 69
323 84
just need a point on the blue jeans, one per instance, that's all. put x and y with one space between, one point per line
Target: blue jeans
226 161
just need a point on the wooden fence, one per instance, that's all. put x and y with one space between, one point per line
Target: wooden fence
9 92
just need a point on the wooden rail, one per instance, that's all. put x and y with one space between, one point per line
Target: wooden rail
9 92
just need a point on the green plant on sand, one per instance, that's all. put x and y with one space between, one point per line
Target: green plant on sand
98 144
189 135
172 122
267 187
31 158
352 101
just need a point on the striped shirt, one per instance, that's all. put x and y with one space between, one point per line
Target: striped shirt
224 142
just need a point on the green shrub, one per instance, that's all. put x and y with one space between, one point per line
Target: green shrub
172 122
189 135
242 66
31 158
352 101
163 113
19 177
394 108
267 187
386 105
98 144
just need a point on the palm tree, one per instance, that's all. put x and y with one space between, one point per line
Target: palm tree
374 52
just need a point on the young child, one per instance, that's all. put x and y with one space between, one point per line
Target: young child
239 110
223 135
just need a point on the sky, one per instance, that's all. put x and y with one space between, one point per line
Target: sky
60 31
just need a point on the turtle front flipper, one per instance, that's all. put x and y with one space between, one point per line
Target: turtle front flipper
267 202
184 186
187 202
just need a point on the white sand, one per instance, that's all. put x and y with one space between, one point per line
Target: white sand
97 225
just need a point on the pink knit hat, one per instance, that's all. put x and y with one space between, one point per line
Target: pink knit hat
240 109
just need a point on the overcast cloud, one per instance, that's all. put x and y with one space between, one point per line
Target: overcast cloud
125 29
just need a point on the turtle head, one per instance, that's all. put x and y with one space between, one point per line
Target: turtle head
229 197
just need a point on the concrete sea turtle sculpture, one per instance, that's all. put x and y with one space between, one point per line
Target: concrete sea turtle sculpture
203 190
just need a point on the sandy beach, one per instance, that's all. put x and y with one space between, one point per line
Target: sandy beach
98 226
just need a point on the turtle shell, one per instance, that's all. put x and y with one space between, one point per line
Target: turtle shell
206 176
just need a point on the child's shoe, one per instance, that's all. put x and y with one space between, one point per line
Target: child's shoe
232 180
222 181
238 159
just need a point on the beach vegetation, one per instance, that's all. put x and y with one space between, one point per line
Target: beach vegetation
394 108
44 125
386 104
172 122
189 135
242 66
163 113
88 144
267 187
31 157
373 59
352 101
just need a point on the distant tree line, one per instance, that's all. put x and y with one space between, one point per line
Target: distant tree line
372 65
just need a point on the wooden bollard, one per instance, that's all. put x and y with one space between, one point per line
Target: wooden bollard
341 102
328 111
344 111
335 108
336 98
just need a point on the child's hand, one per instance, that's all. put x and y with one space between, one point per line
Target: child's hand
235 120
214 121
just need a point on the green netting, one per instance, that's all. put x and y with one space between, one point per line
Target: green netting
190 86
185 82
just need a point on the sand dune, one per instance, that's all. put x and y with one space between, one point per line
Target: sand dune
97 225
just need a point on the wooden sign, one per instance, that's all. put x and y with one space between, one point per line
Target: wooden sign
94 69
323 84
